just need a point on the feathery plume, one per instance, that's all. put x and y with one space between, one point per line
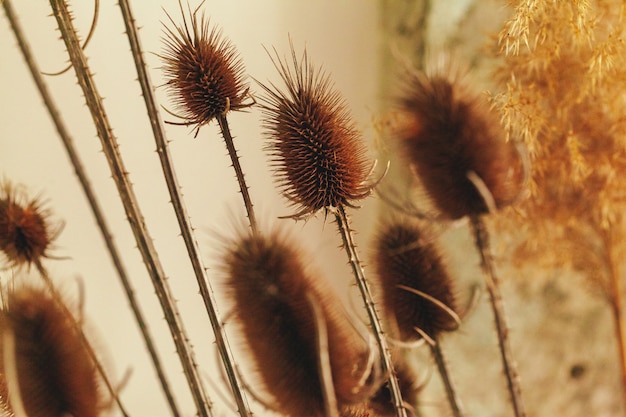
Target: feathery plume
26 231
316 151
54 374
272 292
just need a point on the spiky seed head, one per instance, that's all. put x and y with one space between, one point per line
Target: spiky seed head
271 288
318 154
55 373
450 133
381 403
403 257
26 232
203 71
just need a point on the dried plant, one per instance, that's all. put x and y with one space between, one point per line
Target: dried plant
563 70
301 348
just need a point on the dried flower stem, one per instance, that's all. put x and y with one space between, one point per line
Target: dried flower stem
181 212
232 152
353 256
92 201
77 328
129 200
481 237
453 398
615 300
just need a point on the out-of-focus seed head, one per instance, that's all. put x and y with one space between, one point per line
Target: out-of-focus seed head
55 374
318 154
402 257
381 404
272 291
26 232
458 147
203 71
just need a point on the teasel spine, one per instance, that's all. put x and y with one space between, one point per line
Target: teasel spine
129 200
184 222
96 209
370 306
481 236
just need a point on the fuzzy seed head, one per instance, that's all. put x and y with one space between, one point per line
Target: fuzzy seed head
25 230
401 258
56 376
271 291
203 71
450 133
318 154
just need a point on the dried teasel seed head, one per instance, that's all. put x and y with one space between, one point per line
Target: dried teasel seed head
405 261
271 290
455 143
381 403
318 155
26 232
55 375
203 71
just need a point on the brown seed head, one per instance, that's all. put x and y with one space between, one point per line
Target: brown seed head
401 257
314 147
56 376
271 291
203 72
450 133
381 404
25 231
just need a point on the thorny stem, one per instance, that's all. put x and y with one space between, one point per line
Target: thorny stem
181 212
232 152
453 398
93 203
131 207
353 256
77 328
481 237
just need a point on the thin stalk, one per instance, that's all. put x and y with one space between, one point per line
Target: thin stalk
453 398
180 209
131 207
348 243
617 305
77 328
481 237
232 152
81 174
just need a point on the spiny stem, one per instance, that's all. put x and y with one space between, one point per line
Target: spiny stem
181 212
357 268
131 207
232 152
481 237
92 201
453 398
77 328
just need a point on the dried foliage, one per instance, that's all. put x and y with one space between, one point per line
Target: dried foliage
563 67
